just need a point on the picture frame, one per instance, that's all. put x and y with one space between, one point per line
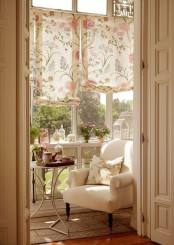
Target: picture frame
44 136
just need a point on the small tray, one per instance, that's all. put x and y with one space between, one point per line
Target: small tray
59 163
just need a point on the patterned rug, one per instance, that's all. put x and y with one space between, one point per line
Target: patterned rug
80 225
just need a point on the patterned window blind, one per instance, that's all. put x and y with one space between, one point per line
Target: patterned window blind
69 52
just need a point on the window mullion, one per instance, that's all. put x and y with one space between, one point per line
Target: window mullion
74 6
109 7
108 113
74 120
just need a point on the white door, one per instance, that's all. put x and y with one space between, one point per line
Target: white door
23 120
161 120
14 120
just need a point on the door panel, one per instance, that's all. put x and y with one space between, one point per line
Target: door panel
161 120
8 122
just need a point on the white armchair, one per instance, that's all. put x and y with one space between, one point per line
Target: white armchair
107 198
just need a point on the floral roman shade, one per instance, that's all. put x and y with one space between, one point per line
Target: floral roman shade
54 60
69 52
107 54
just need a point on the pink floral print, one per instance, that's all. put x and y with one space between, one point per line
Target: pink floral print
88 23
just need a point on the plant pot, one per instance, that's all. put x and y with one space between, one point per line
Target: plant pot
39 160
100 139
32 141
86 140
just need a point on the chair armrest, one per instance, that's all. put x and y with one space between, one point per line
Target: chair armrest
121 180
78 177
121 188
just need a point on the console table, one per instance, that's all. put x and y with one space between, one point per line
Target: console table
82 152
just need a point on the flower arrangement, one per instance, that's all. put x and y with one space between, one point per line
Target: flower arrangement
37 151
38 148
85 131
101 131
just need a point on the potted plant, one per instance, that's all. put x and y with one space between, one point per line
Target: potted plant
101 132
37 153
34 133
85 131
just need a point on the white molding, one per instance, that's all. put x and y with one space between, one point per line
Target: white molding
137 115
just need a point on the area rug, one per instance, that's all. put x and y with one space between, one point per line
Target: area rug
81 225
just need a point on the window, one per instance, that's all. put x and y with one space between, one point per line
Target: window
54 4
52 117
88 6
85 6
123 8
75 62
122 114
92 109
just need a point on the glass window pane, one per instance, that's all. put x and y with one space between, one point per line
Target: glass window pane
123 115
52 117
88 6
53 4
91 110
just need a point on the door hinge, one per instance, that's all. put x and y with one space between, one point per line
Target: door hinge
142 217
142 138
142 64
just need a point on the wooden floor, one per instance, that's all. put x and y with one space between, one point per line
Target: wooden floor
119 239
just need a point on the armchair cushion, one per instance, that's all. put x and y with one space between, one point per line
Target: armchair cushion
102 171
77 177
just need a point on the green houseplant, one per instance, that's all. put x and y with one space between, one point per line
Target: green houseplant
85 131
34 133
37 152
101 132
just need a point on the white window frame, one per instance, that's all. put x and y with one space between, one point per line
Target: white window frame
75 4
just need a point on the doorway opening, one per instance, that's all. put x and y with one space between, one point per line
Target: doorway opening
125 126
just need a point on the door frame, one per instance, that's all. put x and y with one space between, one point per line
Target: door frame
140 194
140 117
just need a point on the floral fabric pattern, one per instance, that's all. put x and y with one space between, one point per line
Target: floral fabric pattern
54 61
107 61
70 52
102 171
